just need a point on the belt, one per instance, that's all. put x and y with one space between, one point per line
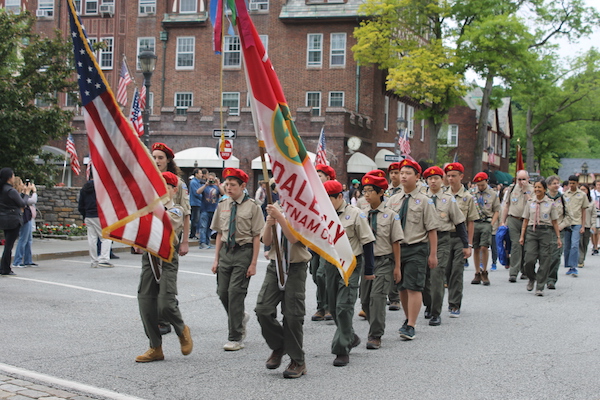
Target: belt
242 246
519 218
540 227
482 220
444 233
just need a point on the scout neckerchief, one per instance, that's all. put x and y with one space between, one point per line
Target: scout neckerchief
234 205
536 215
480 203
404 210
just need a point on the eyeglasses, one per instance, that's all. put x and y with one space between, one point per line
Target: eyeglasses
367 191
522 179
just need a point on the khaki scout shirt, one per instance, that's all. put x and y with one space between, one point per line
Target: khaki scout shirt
448 211
297 251
561 206
182 197
394 190
547 211
576 201
466 203
176 215
356 225
421 216
590 215
389 231
491 202
249 220
517 199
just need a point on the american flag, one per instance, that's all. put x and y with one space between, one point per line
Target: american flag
136 114
124 80
88 170
129 187
321 157
143 98
404 143
75 166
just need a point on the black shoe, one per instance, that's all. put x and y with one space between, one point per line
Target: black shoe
551 286
114 256
435 320
8 273
274 360
355 343
341 361
512 279
427 314
32 264
408 333
164 329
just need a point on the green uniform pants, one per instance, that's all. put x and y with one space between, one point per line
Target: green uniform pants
373 294
341 299
317 270
433 294
159 300
555 262
516 250
539 245
456 266
289 335
232 286
584 241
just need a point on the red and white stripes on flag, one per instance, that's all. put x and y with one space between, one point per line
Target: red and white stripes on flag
129 187
321 157
124 80
136 114
70 148
143 98
404 143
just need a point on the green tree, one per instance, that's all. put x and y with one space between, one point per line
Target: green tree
32 68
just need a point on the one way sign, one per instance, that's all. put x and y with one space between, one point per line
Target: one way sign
228 133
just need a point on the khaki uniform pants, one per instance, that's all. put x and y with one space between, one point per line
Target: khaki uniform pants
373 294
433 294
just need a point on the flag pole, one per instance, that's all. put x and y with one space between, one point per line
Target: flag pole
64 169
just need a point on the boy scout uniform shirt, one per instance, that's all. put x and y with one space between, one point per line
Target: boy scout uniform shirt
547 212
561 207
421 216
466 204
356 225
182 198
590 215
491 202
298 251
389 231
176 215
517 199
249 220
575 202
448 211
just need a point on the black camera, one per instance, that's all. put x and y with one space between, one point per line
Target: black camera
27 182
211 182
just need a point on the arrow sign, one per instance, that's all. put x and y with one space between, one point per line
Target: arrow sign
225 149
228 133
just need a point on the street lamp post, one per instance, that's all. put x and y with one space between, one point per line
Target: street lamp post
401 126
148 64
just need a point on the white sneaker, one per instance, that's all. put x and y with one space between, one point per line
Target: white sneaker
233 346
245 324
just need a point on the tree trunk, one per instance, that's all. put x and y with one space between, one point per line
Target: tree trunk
482 129
434 130
529 161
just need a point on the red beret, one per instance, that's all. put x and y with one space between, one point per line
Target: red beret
394 166
327 170
431 171
333 187
171 178
481 176
377 179
163 147
454 167
413 164
235 173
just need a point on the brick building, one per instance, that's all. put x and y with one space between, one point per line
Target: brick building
194 91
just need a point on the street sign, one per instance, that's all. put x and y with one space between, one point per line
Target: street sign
391 158
228 133
225 154
380 144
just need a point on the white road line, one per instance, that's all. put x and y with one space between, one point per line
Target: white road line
139 267
69 385
76 287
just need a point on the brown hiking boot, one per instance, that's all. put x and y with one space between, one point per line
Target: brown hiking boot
362 314
477 279
274 360
294 370
187 344
318 316
153 354
484 278
373 343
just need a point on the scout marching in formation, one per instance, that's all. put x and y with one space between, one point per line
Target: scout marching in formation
411 237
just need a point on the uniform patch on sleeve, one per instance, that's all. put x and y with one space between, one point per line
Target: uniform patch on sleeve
176 211
363 215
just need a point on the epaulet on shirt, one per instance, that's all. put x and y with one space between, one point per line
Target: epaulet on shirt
222 199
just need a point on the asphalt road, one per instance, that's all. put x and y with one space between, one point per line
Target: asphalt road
68 320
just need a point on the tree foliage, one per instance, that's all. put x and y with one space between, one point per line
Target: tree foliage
31 67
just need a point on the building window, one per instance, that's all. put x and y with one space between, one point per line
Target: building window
422 130
336 99
401 111
188 6
144 43
232 52
265 41
147 7
77 4
386 112
45 8
448 135
91 6
259 5
503 147
185 52
183 101
71 99
315 50
410 120
106 54
338 50
313 100
150 102
13 6
232 101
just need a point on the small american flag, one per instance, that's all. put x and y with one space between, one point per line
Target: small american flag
404 143
124 80
143 98
88 170
321 157
73 154
136 114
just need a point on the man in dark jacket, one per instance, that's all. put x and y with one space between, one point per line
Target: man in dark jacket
89 210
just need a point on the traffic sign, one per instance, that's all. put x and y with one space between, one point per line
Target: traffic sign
391 158
225 154
385 144
228 133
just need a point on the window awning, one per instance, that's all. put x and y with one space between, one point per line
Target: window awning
257 164
380 159
204 157
503 177
359 163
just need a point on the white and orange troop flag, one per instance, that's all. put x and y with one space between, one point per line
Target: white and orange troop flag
128 185
309 212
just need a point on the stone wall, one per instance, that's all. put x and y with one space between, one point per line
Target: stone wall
58 205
